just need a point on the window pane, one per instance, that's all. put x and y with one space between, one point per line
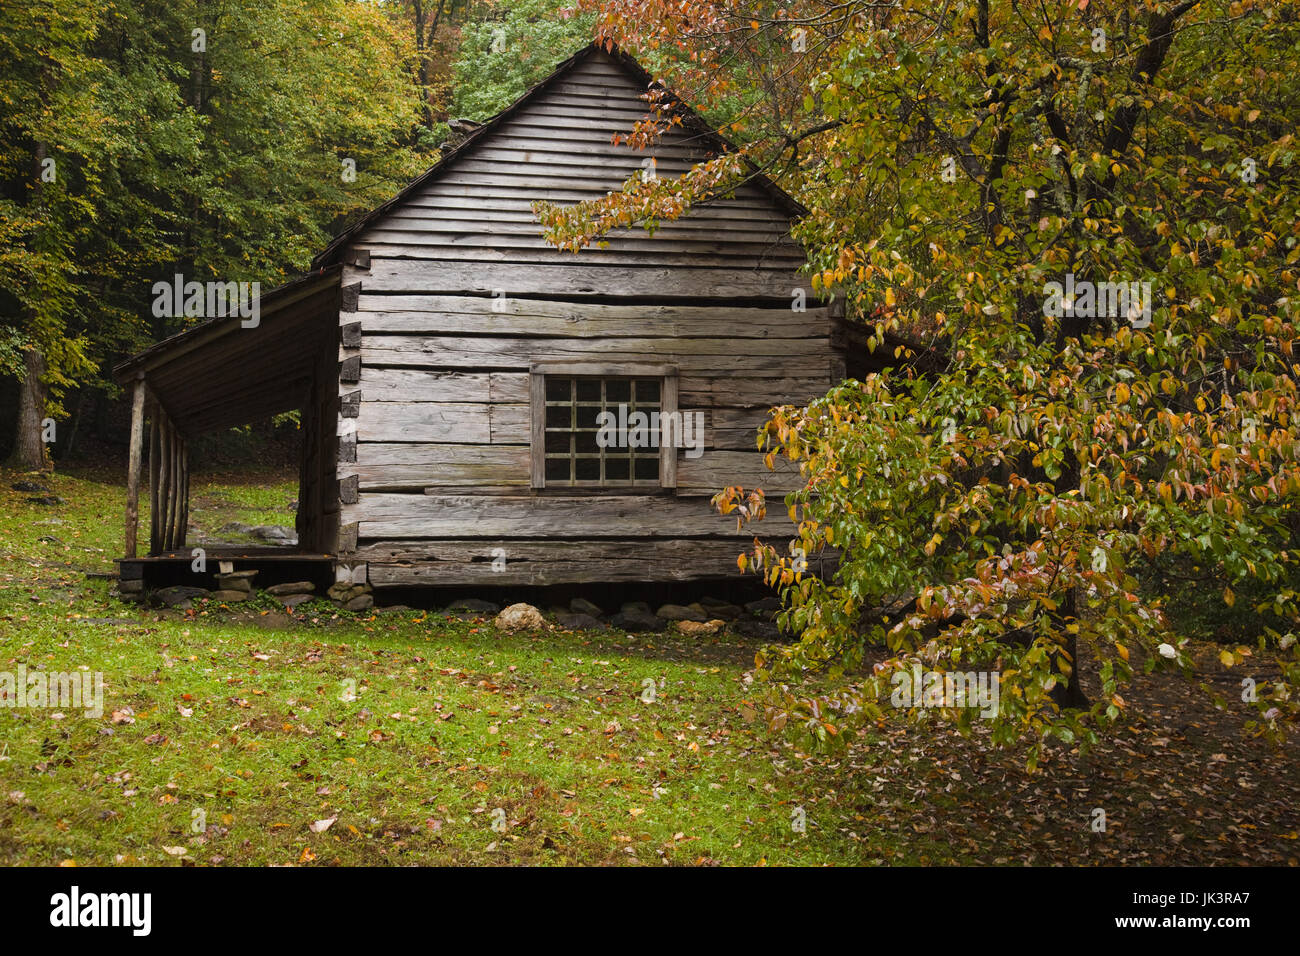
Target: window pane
647 391
588 389
559 416
558 443
587 415
557 389
585 443
618 469
588 469
617 390
647 469
557 469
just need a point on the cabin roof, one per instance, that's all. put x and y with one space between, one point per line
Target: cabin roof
691 121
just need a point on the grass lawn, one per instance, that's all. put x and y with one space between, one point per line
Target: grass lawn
247 735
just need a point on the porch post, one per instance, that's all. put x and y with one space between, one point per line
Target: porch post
133 468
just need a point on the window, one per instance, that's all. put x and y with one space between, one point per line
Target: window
585 427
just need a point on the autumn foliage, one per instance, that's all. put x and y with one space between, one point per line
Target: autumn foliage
1002 493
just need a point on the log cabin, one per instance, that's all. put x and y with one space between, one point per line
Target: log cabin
454 371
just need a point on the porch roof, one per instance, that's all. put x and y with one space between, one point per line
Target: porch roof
220 374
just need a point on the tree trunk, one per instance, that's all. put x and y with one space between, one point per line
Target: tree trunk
1068 692
29 452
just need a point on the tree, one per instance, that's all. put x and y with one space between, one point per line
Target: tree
510 48
218 141
979 175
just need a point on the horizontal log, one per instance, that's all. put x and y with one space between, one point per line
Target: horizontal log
714 241
546 516
614 169
441 465
716 470
667 257
445 422
421 385
702 391
525 148
588 115
799 356
523 127
409 276
698 226
685 315
520 201
474 561
630 323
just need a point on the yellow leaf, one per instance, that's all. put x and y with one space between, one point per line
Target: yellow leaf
1228 597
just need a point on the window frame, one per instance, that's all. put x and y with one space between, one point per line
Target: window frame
668 403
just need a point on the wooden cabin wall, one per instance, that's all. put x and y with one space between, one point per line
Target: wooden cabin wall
441 438
458 296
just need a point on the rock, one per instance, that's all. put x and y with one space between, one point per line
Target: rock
47 500
636 620
293 600
635 607
30 487
765 607
360 602
763 630
697 629
49 539
230 596
720 609
675 612
235 527
179 596
237 575
475 605
131 587
295 587
393 609
519 617
344 591
582 606
578 622
231 582
274 533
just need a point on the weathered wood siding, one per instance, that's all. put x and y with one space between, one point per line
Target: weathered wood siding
459 296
